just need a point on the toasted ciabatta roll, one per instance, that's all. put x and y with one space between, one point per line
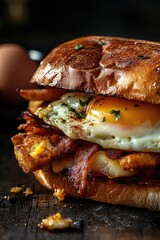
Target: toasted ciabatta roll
93 128
104 65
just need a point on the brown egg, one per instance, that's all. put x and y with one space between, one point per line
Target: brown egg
16 70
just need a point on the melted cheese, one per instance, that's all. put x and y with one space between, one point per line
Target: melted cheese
99 162
37 149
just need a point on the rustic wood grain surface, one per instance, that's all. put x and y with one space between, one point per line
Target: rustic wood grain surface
20 214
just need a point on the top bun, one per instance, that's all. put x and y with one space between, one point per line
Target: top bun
114 66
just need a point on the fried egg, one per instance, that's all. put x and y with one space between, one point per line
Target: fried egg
111 122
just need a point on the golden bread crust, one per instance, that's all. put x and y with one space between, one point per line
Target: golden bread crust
103 190
121 67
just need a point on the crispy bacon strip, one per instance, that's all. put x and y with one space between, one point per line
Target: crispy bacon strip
79 171
36 125
28 116
114 153
140 160
46 94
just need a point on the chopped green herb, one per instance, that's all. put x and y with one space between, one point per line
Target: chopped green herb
84 103
64 104
103 119
102 42
116 114
78 46
136 105
79 115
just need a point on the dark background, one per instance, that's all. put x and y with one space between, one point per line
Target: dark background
43 24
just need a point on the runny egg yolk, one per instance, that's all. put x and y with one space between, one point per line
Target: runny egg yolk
123 112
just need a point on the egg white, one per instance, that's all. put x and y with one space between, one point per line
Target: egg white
67 114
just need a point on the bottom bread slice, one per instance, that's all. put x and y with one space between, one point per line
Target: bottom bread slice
105 190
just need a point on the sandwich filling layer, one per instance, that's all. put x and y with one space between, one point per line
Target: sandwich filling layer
83 135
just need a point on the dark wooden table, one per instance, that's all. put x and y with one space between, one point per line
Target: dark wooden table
20 214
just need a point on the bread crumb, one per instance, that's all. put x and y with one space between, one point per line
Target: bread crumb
28 191
16 189
55 222
59 193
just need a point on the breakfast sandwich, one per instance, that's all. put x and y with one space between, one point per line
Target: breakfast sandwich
92 127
